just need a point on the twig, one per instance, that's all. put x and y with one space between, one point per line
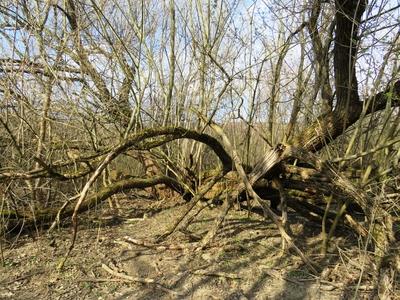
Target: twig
216 274
181 246
278 153
228 203
23 277
103 280
328 284
282 194
179 222
142 280
159 247
60 211
368 152
82 197
277 275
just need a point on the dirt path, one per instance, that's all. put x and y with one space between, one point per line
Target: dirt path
243 263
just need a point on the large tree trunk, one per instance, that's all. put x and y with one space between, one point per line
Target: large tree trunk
348 106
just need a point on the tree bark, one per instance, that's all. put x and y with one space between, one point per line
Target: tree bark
348 107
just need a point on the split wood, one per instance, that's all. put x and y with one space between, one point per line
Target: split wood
280 151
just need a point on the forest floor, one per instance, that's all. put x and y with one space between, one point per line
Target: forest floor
243 262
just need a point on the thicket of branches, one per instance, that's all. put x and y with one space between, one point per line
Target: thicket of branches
294 102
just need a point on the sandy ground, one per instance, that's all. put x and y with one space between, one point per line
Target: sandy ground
243 262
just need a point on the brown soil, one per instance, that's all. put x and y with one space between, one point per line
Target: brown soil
244 261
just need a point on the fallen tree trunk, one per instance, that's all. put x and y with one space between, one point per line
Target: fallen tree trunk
45 216
145 140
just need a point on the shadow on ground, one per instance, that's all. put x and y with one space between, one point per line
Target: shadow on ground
243 262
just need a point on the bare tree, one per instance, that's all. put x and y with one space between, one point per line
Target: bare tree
281 94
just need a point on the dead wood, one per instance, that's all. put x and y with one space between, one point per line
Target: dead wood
45 216
145 140
184 220
272 157
139 280
381 222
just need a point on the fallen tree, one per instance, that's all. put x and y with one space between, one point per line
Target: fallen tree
290 174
